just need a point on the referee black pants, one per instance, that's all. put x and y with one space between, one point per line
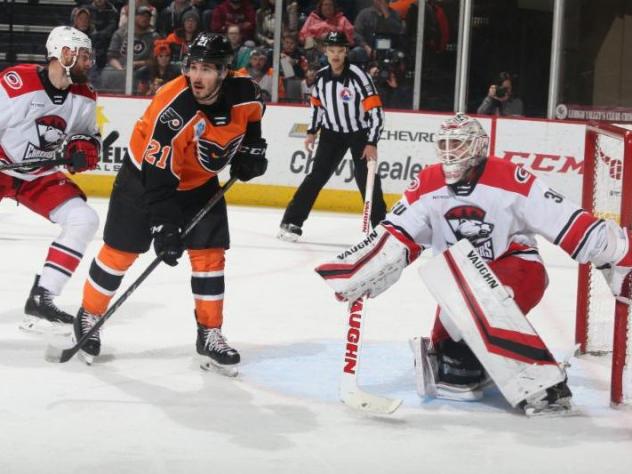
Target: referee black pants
331 148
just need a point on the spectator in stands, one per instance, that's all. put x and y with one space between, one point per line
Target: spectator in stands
265 20
139 3
260 73
234 12
201 6
182 36
170 18
81 18
392 83
160 71
241 50
293 61
112 76
308 83
500 99
377 20
322 20
105 19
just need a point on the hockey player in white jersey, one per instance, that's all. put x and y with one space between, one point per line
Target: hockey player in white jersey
45 112
499 207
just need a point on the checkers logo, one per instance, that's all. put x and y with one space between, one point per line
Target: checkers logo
13 80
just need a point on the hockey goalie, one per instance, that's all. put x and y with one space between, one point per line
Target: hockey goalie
486 285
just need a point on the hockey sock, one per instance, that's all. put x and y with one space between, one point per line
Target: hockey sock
105 276
207 285
79 223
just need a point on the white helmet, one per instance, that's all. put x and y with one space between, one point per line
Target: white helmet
461 143
66 36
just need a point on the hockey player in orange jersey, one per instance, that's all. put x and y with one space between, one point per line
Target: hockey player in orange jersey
195 126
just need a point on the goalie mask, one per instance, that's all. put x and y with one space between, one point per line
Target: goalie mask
461 144
68 37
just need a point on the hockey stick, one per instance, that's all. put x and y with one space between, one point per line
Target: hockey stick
107 141
350 393
54 354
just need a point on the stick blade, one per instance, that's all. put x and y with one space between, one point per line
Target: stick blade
367 402
58 355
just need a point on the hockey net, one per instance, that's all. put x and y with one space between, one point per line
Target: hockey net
603 323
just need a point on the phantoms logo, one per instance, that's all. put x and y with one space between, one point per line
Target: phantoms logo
468 222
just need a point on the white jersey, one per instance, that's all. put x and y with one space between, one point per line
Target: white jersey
500 215
35 118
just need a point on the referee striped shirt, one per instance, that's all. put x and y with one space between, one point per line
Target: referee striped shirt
346 103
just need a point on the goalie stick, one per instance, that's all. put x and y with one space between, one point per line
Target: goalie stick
107 141
350 393
55 354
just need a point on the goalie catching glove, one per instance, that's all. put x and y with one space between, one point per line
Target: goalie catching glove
250 160
81 153
372 265
615 262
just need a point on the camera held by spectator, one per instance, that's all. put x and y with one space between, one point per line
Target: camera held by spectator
500 99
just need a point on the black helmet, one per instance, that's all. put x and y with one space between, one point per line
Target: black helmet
336 38
210 48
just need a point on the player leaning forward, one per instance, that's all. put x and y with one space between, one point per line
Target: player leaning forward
194 126
45 110
498 207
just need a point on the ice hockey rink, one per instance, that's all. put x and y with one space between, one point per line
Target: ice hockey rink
146 407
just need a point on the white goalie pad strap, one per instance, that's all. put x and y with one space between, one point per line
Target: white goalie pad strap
372 265
492 325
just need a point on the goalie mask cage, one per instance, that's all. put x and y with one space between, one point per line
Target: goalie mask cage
602 324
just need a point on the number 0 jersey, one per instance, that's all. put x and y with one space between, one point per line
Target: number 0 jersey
500 215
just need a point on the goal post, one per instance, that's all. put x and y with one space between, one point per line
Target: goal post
602 323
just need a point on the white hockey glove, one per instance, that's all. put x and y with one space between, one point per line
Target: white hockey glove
615 262
372 265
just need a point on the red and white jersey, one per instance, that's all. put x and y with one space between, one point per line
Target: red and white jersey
35 118
500 215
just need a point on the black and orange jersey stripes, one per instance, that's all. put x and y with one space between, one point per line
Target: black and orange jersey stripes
179 144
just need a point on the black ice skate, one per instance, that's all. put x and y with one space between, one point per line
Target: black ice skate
289 232
555 401
42 316
455 375
83 323
214 351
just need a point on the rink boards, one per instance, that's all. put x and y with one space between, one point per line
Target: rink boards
551 149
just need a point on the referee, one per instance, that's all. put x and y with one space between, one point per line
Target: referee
348 110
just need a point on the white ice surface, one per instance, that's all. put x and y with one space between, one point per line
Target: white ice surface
145 406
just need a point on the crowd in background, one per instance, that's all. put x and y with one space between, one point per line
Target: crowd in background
382 35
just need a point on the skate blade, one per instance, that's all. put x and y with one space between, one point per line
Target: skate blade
287 236
35 325
206 363
88 359
555 411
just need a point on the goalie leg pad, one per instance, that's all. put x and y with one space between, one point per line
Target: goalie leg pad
372 265
492 325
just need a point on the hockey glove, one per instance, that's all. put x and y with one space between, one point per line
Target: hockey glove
81 153
250 161
168 243
615 262
372 265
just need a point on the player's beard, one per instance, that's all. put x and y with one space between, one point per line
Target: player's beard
77 76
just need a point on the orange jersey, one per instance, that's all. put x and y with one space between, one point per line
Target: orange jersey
180 144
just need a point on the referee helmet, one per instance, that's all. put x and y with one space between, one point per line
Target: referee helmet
336 38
